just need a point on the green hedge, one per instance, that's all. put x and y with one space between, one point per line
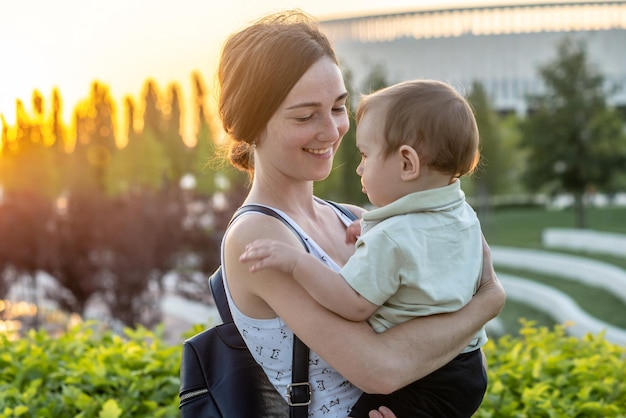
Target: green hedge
546 373
94 373
89 373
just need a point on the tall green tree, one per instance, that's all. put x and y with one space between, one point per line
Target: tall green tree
122 174
59 141
490 176
142 163
376 79
348 183
175 147
4 148
28 163
153 119
95 139
203 165
574 139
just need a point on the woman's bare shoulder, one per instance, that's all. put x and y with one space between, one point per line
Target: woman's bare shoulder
251 226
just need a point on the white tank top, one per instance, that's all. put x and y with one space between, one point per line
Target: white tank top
271 343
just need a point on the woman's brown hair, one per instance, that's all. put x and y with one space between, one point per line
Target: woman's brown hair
259 66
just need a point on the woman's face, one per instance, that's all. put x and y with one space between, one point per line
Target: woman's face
302 136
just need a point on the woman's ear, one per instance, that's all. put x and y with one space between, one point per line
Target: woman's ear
410 163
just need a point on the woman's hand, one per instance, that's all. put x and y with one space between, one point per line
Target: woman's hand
490 286
382 412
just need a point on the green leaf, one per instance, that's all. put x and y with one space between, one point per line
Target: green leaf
110 409
20 410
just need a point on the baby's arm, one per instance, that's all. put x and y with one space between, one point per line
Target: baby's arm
326 286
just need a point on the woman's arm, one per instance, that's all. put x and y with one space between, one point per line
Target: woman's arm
407 352
326 286
376 363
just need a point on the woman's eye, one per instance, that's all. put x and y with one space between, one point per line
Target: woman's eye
304 118
340 109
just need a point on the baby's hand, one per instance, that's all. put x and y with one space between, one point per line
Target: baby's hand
268 253
353 232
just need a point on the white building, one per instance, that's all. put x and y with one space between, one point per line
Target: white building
500 46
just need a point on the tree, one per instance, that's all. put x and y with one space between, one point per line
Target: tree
490 174
147 157
76 242
95 140
114 248
152 115
203 154
58 130
141 164
28 162
146 161
135 261
4 151
347 181
4 137
575 142
25 219
177 151
376 79
58 140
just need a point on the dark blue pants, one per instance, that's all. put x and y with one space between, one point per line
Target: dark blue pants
454 391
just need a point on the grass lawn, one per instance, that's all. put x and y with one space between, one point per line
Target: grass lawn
523 227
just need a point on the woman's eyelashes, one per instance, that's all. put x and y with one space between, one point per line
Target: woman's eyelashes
336 110
304 118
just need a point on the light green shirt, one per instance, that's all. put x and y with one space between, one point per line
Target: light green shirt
418 256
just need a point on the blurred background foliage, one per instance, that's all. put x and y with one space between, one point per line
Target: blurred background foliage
108 211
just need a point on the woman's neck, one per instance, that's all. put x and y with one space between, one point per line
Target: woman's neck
290 197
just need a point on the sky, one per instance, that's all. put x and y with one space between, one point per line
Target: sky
68 44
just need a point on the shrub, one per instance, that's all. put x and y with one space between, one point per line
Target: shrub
89 373
545 373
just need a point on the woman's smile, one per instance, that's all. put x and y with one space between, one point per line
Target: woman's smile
319 151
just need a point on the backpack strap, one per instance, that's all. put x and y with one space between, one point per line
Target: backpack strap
216 282
343 210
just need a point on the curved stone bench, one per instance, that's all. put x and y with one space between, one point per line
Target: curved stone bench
569 267
560 307
585 240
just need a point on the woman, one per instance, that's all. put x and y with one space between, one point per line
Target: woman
283 105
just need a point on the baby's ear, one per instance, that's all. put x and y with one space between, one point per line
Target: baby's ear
410 163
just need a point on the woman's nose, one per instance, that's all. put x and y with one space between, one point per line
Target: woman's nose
331 129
